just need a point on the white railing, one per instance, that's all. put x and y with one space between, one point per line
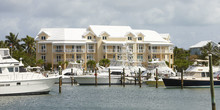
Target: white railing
140 50
91 50
57 60
70 60
42 50
58 50
70 50
80 50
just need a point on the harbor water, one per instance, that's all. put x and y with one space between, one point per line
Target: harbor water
115 97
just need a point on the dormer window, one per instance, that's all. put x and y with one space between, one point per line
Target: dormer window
89 37
139 38
104 37
43 38
129 38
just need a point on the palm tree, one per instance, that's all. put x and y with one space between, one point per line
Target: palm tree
91 64
104 62
13 39
3 44
29 44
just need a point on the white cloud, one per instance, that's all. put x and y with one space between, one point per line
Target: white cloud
179 18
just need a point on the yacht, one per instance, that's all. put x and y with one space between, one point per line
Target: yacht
163 71
196 75
14 79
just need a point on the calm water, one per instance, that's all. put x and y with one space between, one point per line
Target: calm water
113 98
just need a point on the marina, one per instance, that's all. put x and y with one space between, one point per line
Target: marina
115 97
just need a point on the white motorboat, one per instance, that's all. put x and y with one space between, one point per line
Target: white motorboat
200 68
14 79
73 69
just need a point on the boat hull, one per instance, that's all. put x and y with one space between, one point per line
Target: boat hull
153 83
90 80
190 83
35 86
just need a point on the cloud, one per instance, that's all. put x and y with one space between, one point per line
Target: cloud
179 18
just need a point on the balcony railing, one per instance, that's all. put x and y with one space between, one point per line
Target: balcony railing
70 60
80 50
112 50
58 60
91 50
140 50
58 50
42 50
70 50
161 51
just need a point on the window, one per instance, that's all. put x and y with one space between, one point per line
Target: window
139 38
78 57
10 69
43 38
89 37
104 37
78 49
0 70
129 38
90 48
43 57
89 57
140 48
58 58
58 48
16 69
130 46
73 48
43 48
140 57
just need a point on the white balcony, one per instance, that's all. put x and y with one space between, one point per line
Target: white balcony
42 50
70 60
112 50
140 50
58 50
91 50
80 50
70 50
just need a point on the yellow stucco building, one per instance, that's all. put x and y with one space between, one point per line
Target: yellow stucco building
102 41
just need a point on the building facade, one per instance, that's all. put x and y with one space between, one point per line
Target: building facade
100 41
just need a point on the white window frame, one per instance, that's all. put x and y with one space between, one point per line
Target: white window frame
43 37
139 38
129 38
89 37
43 57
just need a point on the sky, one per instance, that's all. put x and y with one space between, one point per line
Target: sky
187 21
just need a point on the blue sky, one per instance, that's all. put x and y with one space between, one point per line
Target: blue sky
187 21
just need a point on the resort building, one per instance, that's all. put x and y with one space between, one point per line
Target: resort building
196 49
100 41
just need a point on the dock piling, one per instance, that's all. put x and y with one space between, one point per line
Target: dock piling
71 78
60 79
140 77
109 77
212 83
95 77
156 77
182 79
135 78
123 77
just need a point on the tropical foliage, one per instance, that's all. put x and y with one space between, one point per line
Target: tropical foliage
21 48
91 64
181 59
104 62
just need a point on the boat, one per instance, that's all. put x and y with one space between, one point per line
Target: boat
116 71
73 69
163 71
190 82
15 80
196 75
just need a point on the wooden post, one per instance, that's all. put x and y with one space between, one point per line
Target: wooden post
182 79
140 77
123 77
156 77
109 73
211 83
135 82
95 77
60 79
71 77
